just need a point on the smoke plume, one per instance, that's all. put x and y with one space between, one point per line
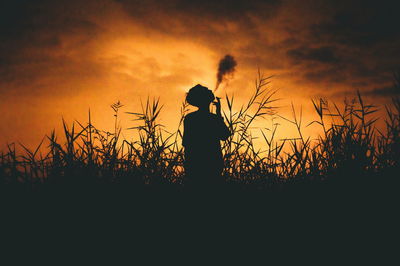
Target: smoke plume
226 66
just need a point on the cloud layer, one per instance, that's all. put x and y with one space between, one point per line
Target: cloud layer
61 57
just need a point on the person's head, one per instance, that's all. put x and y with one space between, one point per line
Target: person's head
200 96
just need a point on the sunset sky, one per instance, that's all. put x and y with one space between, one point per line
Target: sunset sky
60 58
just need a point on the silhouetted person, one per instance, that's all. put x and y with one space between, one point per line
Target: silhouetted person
203 132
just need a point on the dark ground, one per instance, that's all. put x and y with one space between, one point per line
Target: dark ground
322 223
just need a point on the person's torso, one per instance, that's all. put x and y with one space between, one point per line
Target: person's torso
204 139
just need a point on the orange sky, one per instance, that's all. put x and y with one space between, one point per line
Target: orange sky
60 59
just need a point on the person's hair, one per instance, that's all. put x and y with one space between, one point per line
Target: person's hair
199 95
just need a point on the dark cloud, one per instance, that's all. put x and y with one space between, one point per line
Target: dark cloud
216 23
41 41
201 10
334 74
357 41
384 91
39 25
392 90
348 42
321 54
360 23
24 20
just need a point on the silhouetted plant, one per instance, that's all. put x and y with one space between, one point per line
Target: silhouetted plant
350 145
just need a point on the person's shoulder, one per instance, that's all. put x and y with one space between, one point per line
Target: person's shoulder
190 115
215 116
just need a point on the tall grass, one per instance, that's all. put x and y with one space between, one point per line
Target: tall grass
349 146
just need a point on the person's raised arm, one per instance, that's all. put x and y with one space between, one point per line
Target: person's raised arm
218 107
222 129
186 132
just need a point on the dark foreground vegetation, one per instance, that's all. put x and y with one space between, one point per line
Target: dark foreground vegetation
351 152
326 199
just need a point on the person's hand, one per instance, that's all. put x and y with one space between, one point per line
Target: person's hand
218 106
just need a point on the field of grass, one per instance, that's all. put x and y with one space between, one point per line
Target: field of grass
350 150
